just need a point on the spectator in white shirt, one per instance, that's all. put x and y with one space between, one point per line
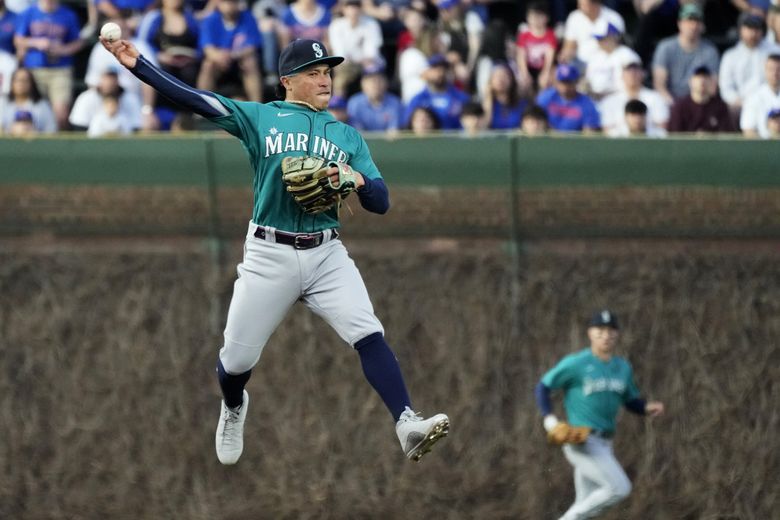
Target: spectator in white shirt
741 69
356 37
753 120
578 40
602 73
109 121
26 97
632 87
90 102
635 122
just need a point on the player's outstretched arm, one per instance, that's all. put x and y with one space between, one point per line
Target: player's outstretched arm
201 102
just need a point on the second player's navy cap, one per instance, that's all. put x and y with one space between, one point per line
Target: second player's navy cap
300 54
604 318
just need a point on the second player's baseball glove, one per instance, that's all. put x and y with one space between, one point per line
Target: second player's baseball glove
565 433
308 182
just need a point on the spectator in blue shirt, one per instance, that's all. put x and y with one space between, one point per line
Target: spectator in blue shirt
439 95
502 103
230 42
567 109
47 35
305 20
130 11
7 28
374 109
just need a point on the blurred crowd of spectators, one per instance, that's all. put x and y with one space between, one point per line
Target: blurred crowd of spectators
619 67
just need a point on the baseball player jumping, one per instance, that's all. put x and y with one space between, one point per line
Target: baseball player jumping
304 163
595 384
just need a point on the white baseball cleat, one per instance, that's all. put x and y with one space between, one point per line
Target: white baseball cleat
230 432
418 435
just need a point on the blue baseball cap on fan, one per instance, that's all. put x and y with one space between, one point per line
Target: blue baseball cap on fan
304 53
604 29
604 318
567 72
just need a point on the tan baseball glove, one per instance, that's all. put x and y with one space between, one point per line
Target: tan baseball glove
307 180
565 433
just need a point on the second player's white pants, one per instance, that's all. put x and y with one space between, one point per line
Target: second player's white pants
599 479
272 277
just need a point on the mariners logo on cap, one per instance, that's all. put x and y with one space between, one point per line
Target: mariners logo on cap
604 318
305 53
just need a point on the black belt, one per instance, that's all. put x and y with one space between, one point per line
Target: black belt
297 240
604 434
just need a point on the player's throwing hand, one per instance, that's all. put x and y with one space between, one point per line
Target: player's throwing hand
124 51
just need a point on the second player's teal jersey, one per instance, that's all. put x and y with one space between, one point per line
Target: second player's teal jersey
594 390
270 132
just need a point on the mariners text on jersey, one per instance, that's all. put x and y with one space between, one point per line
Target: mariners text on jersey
283 142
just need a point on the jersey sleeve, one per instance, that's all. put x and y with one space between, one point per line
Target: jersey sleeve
560 376
632 391
362 160
242 121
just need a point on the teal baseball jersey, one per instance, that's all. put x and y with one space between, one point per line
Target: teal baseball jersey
594 390
269 132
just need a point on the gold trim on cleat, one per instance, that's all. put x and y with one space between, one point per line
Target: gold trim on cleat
439 430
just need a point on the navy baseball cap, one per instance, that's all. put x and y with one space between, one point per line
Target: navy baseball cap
774 113
300 54
438 60
751 20
566 72
374 67
604 318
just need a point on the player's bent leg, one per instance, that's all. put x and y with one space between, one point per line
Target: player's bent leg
596 462
251 321
340 297
380 366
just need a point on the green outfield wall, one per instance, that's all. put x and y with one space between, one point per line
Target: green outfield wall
444 185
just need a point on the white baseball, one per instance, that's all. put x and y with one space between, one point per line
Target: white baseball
111 31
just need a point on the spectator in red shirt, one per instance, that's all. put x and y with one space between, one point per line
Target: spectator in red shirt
702 110
536 46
